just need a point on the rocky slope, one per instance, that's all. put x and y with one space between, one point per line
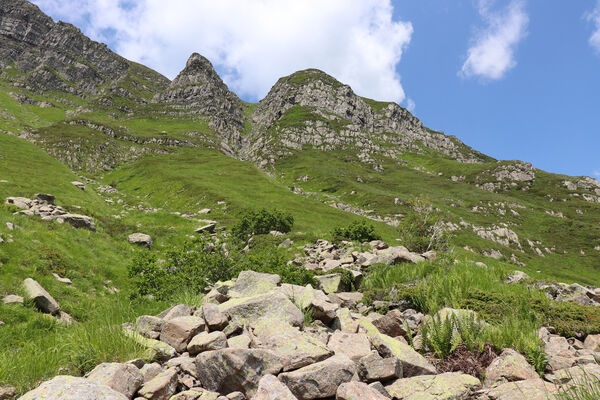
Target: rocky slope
310 109
40 55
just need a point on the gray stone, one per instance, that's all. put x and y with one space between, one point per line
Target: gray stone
215 319
72 388
161 387
236 370
42 299
358 391
413 363
373 368
177 332
510 366
207 341
140 239
447 386
270 388
12 299
124 378
353 345
319 380
251 283
271 305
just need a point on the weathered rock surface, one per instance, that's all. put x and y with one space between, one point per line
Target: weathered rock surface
510 366
124 378
358 391
272 305
161 387
177 332
271 388
140 239
231 370
447 386
319 380
413 363
72 388
42 299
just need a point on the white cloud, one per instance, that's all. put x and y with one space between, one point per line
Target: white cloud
253 42
594 17
596 173
492 52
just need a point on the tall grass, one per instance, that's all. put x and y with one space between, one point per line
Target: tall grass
585 388
28 357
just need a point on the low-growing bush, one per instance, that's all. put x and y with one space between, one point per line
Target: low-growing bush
189 267
195 264
422 229
255 222
356 231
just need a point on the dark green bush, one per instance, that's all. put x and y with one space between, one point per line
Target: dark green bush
255 222
200 262
357 231
189 267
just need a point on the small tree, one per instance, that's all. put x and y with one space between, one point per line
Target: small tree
422 230
253 222
359 231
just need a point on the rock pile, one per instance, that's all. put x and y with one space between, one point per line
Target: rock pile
43 205
251 340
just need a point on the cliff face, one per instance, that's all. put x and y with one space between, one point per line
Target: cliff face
46 56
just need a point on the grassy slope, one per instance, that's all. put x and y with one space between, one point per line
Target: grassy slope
336 174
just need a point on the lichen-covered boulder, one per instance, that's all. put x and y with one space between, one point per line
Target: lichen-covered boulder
178 332
297 348
72 388
358 391
124 378
413 363
251 283
510 366
270 388
161 387
531 389
353 345
319 380
272 305
236 370
447 386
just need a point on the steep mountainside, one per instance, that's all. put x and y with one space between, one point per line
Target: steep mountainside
99 155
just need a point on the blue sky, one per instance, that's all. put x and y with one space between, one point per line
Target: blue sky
515 79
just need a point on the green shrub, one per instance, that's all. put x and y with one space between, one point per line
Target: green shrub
189 267
439 337
255 222
357 231
422 229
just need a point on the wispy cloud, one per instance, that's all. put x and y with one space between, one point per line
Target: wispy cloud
492 52
594 17
596 173
254 42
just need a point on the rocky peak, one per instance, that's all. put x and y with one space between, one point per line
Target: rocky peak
198 90
310 108
51 56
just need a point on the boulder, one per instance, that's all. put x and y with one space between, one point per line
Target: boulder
184 364
272 305
124 378
353 345
242 341
44 198
251 283
270 388
78 184
413 363
297 348
208 228
391 324
516 277
156 349
373 367
149 326
344 322
72 388
592 342
12 299
531 389
161 387
560 353
178 310
510 366
576 374
319 380
331 283
140 239
207 341
215 319
149 371
78 221
19 202
447 386
177 332
358 391
236 370
40 297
